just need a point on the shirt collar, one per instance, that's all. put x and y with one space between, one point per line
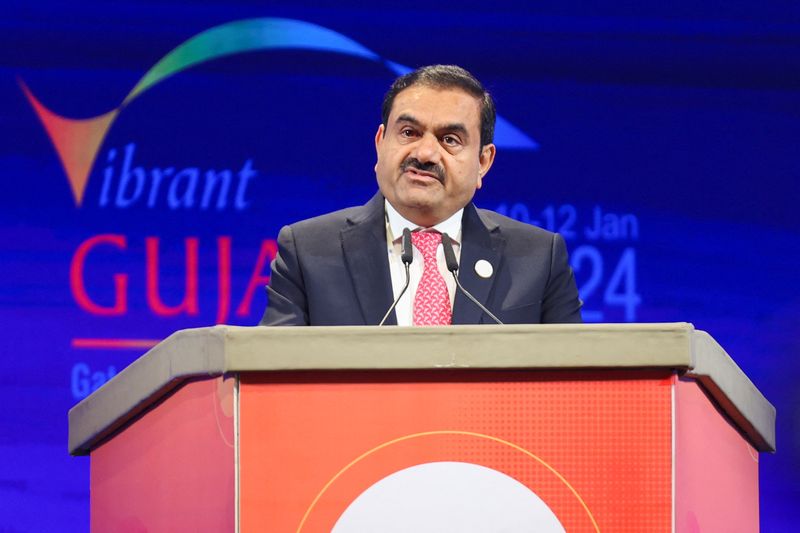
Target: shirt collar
397 223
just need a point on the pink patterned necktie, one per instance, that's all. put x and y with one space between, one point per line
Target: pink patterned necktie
432 301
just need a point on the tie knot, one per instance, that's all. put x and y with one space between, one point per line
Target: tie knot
426 242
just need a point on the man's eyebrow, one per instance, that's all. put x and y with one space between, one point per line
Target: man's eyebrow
455 127
408 118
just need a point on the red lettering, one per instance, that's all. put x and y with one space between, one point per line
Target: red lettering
189 304
78 286
269 249
224 278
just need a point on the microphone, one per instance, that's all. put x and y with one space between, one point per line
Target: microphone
452 266
407 256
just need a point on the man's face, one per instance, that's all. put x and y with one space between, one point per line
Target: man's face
430 161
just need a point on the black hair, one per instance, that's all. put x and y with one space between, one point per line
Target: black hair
446 77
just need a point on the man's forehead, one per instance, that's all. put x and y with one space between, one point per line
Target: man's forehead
448 105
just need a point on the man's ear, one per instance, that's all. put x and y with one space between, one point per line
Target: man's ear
379 136
486 159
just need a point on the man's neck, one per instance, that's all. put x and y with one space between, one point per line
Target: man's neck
397 222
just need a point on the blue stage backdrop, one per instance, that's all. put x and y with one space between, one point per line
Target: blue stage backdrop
151 153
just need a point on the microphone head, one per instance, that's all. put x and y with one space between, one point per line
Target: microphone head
407 254
449 254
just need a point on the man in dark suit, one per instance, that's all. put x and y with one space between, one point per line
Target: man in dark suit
434 147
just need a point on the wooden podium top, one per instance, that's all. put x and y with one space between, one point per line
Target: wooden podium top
218 350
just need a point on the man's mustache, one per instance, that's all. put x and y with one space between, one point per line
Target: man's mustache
433 168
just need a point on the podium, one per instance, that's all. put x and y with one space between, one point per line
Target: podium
602 427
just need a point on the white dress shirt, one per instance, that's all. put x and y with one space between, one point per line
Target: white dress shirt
395 223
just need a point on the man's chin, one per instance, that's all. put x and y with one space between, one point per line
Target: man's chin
419 202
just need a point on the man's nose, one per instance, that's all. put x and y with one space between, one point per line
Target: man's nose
427 149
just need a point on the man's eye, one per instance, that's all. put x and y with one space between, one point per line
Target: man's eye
451 140
407 132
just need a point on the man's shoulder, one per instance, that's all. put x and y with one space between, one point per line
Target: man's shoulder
336 220
325 234
514 228
331 220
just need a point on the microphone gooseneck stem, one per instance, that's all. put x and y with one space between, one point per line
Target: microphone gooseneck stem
472 298
394 304
452 266
406 256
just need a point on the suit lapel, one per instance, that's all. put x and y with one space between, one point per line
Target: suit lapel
480 239
364 246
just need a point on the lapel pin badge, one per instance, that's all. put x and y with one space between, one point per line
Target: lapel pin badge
483 268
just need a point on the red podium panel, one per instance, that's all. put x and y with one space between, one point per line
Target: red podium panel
171 470
547 428
716 477
597 448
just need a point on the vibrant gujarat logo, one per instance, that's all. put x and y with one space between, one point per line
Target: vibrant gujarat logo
77 141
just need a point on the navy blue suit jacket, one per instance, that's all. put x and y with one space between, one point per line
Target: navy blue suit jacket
334 270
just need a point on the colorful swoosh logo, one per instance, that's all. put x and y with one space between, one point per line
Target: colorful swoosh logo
77 141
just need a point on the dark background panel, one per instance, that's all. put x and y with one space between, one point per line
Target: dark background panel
673 124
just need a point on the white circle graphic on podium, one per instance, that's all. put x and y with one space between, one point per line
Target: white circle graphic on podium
448 496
